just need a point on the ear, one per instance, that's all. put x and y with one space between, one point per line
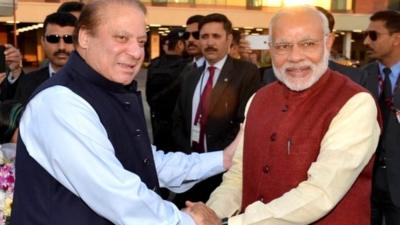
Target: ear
396 39
42 40
229 40
329 41
83 38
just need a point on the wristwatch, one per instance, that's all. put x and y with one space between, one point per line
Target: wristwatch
224 221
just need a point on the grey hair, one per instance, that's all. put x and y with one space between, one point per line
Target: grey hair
295 10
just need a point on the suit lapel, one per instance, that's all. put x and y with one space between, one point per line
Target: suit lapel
194 76
223 81
371 82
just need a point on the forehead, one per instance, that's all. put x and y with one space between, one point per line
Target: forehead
192 27
297 26
128 18
378 25
52 28
212 27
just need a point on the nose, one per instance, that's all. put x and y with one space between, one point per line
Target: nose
295 54
366 40
135 50
61 44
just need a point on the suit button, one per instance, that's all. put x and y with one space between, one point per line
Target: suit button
285 108
127 104
273 137
146 161
266 169
138 131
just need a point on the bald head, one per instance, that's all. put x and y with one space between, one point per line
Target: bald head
301 14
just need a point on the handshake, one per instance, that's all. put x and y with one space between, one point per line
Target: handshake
201 214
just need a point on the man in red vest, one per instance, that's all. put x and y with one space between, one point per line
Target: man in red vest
308 138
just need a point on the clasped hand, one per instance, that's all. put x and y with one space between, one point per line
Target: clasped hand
201 214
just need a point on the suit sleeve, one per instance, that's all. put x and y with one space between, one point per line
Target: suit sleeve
250 84
179 125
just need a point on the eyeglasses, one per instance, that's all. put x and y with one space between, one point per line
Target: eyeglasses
284 48
195 35
373 35
55 38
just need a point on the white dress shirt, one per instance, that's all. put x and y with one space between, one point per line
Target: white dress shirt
200 88
63 133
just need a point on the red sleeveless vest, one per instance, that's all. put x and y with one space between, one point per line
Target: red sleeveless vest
284 130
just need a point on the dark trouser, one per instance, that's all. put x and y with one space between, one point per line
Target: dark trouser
382 204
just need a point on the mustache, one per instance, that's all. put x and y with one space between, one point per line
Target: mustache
61 51
209 49
191 44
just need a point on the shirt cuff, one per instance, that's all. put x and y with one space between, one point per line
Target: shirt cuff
186 219
11 79
214 158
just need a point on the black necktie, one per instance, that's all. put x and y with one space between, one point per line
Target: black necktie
385 100
387 85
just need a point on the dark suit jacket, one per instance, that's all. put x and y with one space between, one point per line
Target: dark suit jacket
390 137
357 75
7 90
237 81
29 83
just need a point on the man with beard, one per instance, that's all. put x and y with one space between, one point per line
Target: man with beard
83 154
355 74
57 44
383 42
211 104
305 156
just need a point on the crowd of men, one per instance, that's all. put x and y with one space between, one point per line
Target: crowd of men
307 141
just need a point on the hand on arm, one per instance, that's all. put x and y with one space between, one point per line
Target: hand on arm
201 214
13 60
229 151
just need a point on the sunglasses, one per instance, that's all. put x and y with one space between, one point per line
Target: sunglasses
195 35
373 35
55 38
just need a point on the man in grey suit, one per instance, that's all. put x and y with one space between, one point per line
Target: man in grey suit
383 42
354 74
211 104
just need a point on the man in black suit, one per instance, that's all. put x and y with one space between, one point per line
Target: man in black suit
163 87
209 111
57 44
383 43
354 74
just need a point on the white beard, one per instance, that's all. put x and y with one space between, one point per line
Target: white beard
300 85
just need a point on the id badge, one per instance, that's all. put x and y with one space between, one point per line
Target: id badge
196 133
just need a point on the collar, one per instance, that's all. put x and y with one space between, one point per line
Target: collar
218 64
395 69
79 67
199 62
51 70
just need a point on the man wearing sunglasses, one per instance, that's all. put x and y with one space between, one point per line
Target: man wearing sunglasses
382 39
192 42
57 43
